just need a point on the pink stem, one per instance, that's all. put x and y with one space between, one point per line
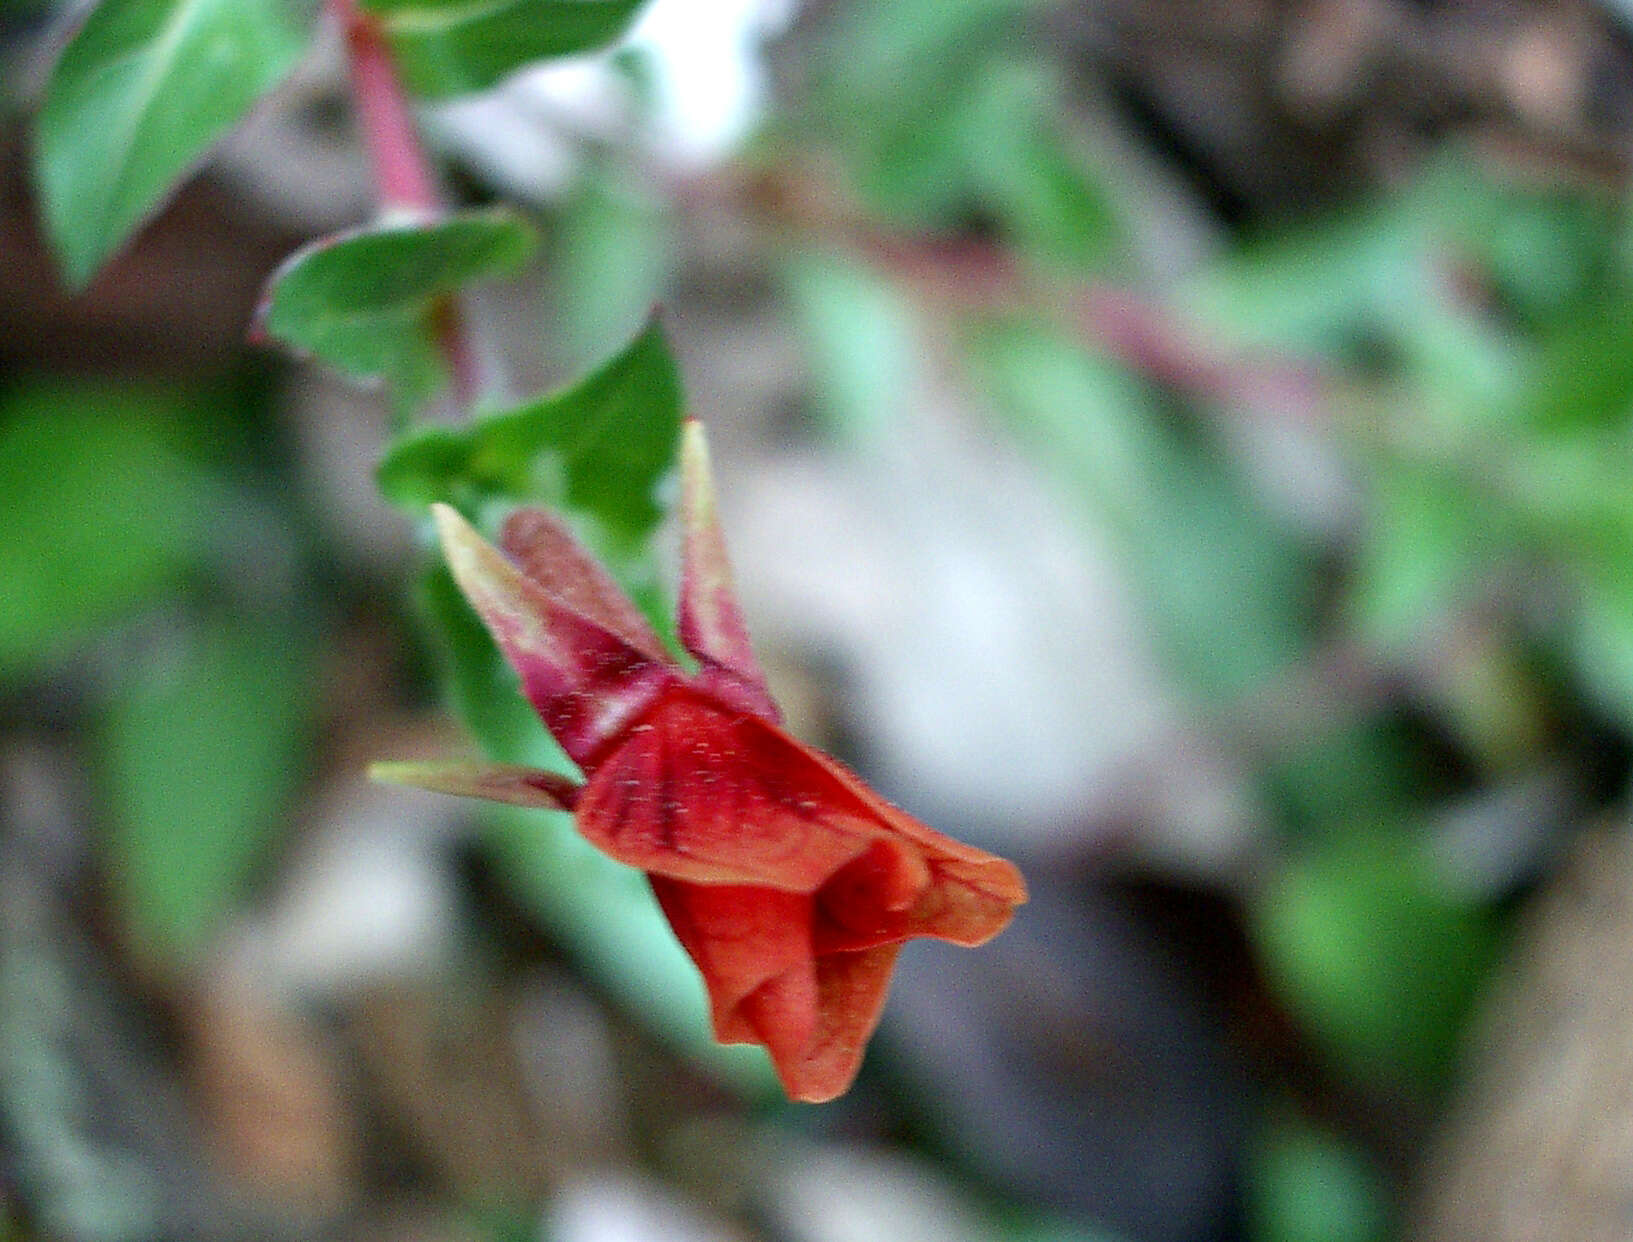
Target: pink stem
402 174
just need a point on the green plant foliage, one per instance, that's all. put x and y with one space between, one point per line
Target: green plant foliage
946 112
201 748
860 338
101 510
1429 545
611 257
366 301
1224 586
449 47
1365 942
141 92
1307 1186
598 448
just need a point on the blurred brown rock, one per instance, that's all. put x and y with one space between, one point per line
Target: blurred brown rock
273 1104
1540 1144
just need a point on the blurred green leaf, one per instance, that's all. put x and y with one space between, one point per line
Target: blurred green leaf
201 748
1329 781
101 512
946 113
365 301
1026 173
449 47
1306 1186
612 258
860 338
1368 947
1401 285
1599 638
1224 586
1429 542
1583 375
599 447
141 92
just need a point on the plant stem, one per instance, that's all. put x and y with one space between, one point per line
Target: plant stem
403 175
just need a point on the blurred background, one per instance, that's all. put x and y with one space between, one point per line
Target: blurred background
1182 445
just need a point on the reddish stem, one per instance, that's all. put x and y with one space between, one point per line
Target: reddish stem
401 172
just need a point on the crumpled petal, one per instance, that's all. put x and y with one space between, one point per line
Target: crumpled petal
702 793
743 939
789 882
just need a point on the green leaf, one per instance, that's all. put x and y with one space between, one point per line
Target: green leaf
599 447
1306 1186
1584 372
1600 638
1367 945
448 47
861 338
365 301
100 512
945 110
612 256
200 751
141 92
1430 540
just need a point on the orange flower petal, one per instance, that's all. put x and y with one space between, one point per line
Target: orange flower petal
851 990
748 943
703 793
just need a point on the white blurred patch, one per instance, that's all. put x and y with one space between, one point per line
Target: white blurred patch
624 1207
998 668
708 73
367 897
705 71
838 1194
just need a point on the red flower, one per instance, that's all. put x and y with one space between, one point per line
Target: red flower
790 883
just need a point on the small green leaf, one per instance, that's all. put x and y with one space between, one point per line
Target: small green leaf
100 513
1600 637
141 92
612 255
365 301
1429 542
449 47
200 750
599 447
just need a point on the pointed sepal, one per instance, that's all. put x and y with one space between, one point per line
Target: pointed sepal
546 551
497 782
710 621
587 683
